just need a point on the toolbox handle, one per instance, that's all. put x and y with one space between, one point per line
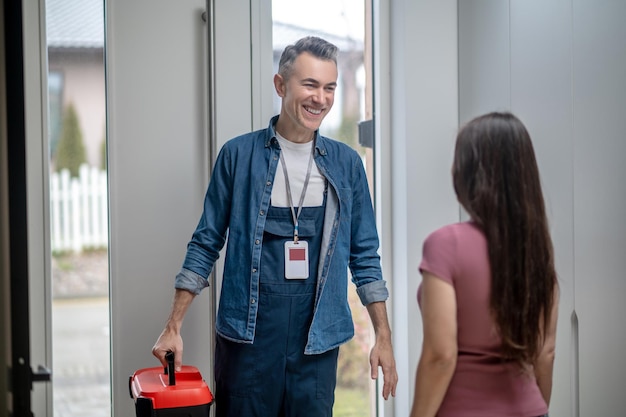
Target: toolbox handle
169 369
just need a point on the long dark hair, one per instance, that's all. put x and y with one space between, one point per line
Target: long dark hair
496 179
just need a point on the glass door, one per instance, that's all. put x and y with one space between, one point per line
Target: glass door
57 213
347 25
78 213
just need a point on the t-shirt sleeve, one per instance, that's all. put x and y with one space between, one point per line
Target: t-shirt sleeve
439 254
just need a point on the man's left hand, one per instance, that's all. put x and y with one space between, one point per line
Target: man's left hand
382 355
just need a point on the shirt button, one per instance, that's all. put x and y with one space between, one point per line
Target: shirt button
275 157
252 301
257 241
268 183
261 212
253 269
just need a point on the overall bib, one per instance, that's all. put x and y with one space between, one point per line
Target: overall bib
272 377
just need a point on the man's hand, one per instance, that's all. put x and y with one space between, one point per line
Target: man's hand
169 341
382 355
382 352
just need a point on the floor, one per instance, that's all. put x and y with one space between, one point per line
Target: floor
80 336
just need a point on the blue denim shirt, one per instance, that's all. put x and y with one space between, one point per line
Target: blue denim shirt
235 205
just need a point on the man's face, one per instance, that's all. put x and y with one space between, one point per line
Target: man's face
307 96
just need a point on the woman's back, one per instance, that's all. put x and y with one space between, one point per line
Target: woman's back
483 384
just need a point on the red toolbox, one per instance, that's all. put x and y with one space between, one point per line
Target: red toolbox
161 392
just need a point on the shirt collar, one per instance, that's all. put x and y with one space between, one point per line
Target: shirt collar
320 141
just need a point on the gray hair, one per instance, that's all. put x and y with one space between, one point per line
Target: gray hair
317 47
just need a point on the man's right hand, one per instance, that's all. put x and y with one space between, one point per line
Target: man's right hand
170 339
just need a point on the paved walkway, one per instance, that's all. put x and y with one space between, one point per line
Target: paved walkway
80 336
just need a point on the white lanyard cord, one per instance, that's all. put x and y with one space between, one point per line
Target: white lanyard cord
304 187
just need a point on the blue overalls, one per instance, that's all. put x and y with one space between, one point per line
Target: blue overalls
272 377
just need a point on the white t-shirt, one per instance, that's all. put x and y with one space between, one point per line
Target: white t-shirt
296 156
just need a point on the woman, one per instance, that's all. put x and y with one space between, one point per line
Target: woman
489 292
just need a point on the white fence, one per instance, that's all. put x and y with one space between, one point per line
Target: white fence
78 210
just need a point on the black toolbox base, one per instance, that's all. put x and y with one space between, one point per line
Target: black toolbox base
143 408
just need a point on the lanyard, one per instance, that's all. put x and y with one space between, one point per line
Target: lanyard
304 187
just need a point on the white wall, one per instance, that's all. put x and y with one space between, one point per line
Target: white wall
599 202
419 127
159 164
559 66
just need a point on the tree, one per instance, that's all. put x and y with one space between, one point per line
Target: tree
71 152
103 152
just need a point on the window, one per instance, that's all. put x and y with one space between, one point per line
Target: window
78 209
55 108
342 23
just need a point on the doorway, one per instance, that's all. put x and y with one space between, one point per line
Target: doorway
78 208
347 24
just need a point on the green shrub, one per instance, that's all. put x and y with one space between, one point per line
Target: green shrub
70 153
103 151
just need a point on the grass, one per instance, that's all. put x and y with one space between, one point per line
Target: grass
65 265
351 403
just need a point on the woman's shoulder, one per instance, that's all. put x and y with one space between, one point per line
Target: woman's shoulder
455 237
447 248
455 231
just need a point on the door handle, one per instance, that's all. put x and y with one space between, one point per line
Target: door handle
42 374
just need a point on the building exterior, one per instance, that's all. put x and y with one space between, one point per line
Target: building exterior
75 37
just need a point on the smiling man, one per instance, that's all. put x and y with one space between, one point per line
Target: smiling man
296 210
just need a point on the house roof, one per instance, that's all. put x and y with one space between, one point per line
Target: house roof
80 24
75 23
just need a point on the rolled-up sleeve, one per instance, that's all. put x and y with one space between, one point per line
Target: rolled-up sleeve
190 281
373 292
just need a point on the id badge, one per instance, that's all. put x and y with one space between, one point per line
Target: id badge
296 259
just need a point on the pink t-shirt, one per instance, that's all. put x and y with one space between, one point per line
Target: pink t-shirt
482 385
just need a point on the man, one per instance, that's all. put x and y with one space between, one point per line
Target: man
296 210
